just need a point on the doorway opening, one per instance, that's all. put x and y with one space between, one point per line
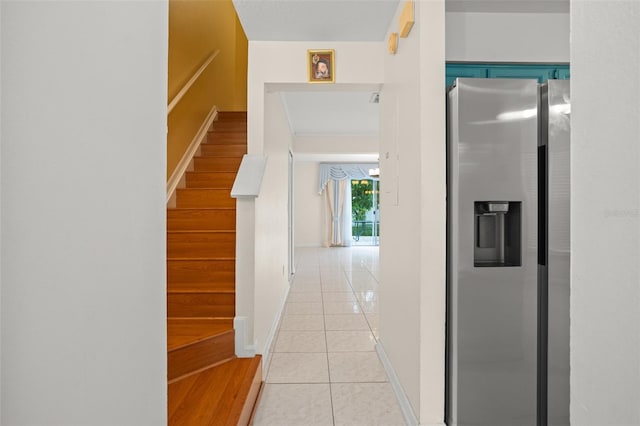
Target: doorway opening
365 212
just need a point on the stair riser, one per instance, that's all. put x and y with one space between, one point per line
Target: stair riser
212 150
210 180
216 164
204 220
193 305
229 126
184 245
220 273
200 355
226 138
204 198
226 116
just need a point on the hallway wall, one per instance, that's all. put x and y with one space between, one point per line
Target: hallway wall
507 37
605 213
412 241
84 105
271 225
308 205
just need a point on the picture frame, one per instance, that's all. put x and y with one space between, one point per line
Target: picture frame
321 66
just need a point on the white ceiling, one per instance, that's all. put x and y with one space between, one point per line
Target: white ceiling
316 20
354 20
345 113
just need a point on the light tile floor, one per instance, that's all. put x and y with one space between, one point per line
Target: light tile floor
323 369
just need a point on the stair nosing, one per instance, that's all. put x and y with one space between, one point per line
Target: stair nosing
187 291
184 376
213 336
200 259
204 231
201 208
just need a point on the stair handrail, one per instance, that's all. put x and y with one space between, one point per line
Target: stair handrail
191 81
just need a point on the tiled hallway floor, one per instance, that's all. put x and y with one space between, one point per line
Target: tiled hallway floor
324 369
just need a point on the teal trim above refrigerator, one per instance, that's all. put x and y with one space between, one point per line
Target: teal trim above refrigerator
541 72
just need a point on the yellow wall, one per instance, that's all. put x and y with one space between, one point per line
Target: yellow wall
196 29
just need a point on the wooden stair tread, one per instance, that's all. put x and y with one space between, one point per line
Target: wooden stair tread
204 198
201 231
205 244
210 179
222 395
204 304
188 286
200 288
201 219
216 164
182 332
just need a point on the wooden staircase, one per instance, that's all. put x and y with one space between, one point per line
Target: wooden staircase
208 385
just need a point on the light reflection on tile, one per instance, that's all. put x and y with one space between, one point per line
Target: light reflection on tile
369 307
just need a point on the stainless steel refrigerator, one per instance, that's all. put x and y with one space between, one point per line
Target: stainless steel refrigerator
555 254
496 297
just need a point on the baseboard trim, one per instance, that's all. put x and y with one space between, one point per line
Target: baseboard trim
274 329
183 164
405 405
243 350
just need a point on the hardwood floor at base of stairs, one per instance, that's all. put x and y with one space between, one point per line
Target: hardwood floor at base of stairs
223 395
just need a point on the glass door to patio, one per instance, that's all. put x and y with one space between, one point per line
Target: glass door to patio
365 211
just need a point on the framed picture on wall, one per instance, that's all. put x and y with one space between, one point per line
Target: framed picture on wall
321 66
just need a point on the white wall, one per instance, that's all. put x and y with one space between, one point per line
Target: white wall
271 224
605 235
84 89
507 37
412 243
357 63
308 205
336 144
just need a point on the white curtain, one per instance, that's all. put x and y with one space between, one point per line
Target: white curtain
335 195
335 182
343 171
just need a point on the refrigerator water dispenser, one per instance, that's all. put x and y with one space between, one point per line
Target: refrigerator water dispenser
497 233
